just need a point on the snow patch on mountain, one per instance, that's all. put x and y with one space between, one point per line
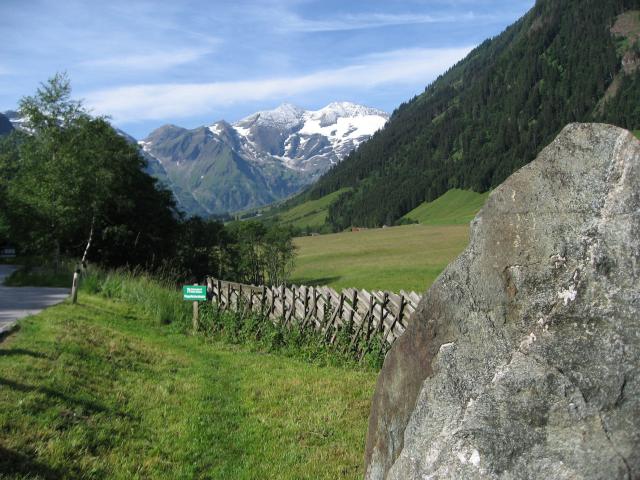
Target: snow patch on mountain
285 116
344 128
216 129
309 141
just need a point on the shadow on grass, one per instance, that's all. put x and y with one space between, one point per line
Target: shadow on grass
21 351
14 463
87 405
315 282
8 332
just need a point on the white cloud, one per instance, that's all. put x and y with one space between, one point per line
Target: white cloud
168 101
152 61
292 22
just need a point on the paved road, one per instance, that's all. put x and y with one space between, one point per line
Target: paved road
18 302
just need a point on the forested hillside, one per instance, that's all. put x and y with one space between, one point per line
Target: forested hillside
494 111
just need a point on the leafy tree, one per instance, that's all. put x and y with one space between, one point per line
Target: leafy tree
279 255
73 179
260 254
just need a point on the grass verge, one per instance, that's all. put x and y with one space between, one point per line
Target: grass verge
104 390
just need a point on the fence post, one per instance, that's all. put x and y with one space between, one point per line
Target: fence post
395 320
210 288
195 320
263 300
372 306
313 311
250 306
338 319
74 286
272 305
306 301
383 313
292 311
283 300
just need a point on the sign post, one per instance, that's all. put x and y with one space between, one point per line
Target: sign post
196 293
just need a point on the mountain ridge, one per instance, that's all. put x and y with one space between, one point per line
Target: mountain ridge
261 158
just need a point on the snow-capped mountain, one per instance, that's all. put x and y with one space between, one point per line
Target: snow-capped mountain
305 140
261 158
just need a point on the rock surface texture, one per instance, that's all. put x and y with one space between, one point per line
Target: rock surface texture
523 360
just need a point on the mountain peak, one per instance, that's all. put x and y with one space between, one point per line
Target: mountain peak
286 115
350 109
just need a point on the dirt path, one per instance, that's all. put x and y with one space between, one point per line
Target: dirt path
18 302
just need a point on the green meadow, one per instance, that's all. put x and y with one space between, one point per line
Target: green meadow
408 257
103 390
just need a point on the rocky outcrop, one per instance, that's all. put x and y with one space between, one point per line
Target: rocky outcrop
523 359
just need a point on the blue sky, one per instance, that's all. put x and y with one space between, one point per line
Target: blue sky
147 63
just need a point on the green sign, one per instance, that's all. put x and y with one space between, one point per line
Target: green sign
194 292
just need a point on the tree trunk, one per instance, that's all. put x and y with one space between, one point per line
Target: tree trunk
81 266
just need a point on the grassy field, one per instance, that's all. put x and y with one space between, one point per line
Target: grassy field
456 207
101 390
637 133
408 257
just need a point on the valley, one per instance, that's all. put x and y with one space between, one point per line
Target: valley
406 257
265 157
480 242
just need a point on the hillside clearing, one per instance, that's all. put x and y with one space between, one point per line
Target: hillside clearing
456 207
100 390
409 257
310 214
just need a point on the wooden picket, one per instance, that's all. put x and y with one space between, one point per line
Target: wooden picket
371 316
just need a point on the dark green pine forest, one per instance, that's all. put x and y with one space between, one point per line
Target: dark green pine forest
495 110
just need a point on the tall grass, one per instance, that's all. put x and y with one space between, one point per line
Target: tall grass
162 300
159 298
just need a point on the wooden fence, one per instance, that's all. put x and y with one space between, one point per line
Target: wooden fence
367 315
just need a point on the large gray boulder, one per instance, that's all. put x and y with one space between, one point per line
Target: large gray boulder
523 359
